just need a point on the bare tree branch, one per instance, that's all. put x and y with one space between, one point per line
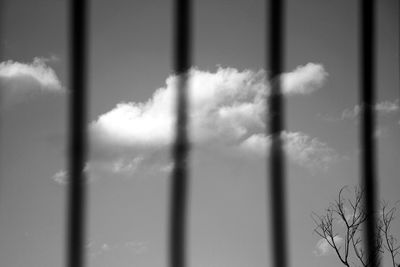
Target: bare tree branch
345 218
391 243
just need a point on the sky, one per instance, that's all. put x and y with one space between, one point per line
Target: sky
130 122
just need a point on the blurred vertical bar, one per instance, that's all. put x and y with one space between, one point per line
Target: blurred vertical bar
2 46
180 151
77 133
276 124
367 131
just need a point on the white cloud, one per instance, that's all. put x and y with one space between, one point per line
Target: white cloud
256 144
351 113
388 107
123 164
304 79
222 104
300 148
37 70
60 177
322 247
22 80
385 108
227 108
309 152
126 165
225 105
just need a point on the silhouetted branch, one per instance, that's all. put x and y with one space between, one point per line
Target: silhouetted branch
391 243
345 218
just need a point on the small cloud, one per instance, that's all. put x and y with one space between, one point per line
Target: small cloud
322 248
303 150
309 152
167 168
37 70
60 177
21 81
351 113
388 107
383 108
124 165
51 58
256 144
304 79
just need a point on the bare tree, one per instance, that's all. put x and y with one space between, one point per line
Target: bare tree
391 243
341 227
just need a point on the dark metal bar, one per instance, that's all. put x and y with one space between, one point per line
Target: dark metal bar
2 22
2 44
368 168
77 133
276 124
181 147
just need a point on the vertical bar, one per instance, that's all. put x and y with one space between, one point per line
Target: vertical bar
368 170
2 44
180 151
276 124
77 133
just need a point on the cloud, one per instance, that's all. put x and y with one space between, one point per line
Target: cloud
62 176
384 108
309 152
301 149
37 70
123 164
225 105
323 248
351 113
256 144
23 80
388 107
304 79
227 108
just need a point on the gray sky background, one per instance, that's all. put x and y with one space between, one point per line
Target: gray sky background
130 59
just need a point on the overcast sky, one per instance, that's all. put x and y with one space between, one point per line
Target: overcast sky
130 126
